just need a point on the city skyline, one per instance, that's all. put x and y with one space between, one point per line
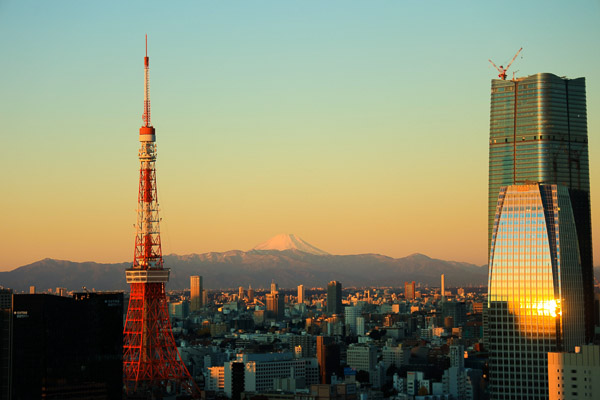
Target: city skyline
341 123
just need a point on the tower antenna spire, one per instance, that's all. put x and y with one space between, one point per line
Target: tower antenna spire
146 114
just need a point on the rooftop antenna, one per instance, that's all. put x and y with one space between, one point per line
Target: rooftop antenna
502 70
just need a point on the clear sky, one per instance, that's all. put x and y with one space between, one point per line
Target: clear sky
360 126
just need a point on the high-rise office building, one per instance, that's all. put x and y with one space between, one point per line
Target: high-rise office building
409 290
328 357
350 315
275 305
274 287
535 299
241 293
195 293
538 133
250 294
205 298
179 309
6 331
300 294
67 347
334 298
443 288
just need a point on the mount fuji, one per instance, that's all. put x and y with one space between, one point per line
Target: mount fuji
289 242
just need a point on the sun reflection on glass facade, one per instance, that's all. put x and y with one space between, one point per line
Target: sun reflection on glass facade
535 295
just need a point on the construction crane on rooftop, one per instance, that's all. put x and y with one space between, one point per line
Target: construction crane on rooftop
501 69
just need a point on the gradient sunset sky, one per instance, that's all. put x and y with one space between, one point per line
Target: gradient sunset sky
359 126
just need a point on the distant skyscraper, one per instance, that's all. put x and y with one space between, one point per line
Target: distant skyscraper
334 298
250 294
300 293
195 293
409 290
538 133
443 289
274 287
241 293
179 309
534 291
204 298
351 314
275 305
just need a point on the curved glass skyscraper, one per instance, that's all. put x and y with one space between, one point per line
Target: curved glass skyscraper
535 301
538 133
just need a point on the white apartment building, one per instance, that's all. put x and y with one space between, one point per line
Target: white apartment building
261 371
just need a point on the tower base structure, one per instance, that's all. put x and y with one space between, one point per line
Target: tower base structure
152 365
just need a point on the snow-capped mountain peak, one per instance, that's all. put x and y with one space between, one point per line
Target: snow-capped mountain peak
289 242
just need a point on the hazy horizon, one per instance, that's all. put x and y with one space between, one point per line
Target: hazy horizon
361 127
242 250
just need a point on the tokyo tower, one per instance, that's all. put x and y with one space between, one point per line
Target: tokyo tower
152 366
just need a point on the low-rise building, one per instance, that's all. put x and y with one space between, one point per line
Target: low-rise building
257 372
574 375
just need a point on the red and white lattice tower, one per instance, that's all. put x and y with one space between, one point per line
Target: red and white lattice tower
151 362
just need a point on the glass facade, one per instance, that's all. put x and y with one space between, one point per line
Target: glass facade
538 133
334 298
535 301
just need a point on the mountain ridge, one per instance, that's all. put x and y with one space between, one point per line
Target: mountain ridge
235 268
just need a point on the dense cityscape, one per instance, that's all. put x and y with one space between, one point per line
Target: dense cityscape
531 332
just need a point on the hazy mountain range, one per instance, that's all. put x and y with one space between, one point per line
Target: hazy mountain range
287 259
231 269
